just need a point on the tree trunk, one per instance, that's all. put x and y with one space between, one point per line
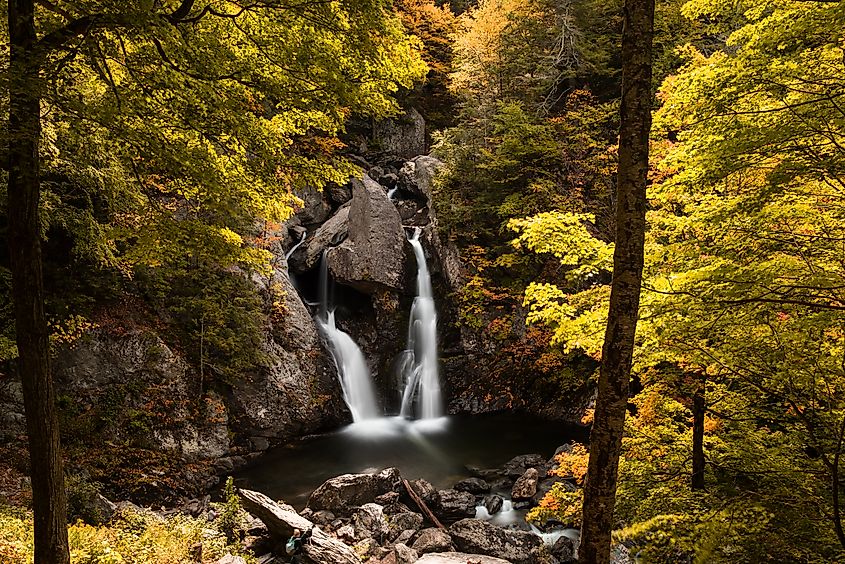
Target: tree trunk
698 410
615 374
48 493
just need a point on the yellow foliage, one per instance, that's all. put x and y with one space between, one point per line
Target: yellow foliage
131 538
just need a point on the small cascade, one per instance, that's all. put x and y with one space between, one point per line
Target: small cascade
419 367
352 370
293 249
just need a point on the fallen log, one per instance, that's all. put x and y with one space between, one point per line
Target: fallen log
282 519
422 505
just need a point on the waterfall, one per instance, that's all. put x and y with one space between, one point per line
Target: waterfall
293 249
419 365
352 370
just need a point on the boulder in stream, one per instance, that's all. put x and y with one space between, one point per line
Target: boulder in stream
481 537
342 493
455 505
526 486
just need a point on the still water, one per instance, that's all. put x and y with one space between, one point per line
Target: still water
438 450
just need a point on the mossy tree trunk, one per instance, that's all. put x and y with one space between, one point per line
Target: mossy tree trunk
615 374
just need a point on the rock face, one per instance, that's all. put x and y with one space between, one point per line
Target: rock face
417 176
315 206
135 368
373 256
295 391
481 537
340 494
403 135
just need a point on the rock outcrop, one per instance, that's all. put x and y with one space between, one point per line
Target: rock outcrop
373 255
295 391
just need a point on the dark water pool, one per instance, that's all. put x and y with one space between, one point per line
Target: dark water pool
437 450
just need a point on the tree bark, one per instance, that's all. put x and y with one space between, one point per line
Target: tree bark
698 410
615 373
48 493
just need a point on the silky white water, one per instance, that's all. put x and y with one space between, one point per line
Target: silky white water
293 249
419 366
356 383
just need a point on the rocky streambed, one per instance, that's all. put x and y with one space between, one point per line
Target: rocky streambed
384 517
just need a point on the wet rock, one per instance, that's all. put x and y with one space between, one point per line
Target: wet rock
373 256
407 209
375 173
526 486
293 390
333 232
474 486
369 522
516 466
455 505
493 503
564 551
342 493
432 540
481 537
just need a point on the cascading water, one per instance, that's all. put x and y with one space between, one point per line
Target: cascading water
419 368
352 370
293 249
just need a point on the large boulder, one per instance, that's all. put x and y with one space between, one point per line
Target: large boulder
403 135
342 493
373 256
526 486
432 540
417 176
294 390
454 505
332 232
481 537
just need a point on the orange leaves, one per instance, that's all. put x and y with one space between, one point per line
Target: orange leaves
572 463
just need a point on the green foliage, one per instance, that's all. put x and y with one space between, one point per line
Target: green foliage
215 315
229 521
